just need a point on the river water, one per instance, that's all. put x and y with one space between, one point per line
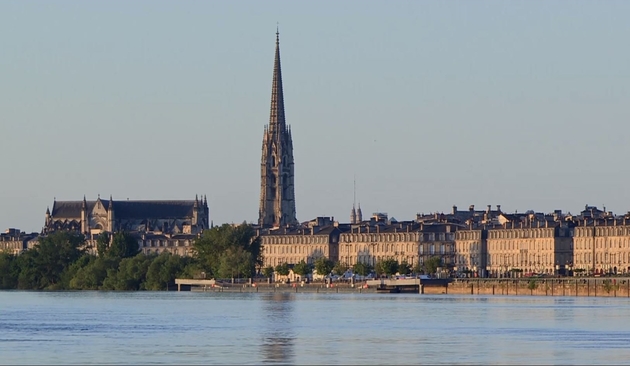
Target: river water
309 328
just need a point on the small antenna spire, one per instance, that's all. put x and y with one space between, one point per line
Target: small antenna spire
277 33
354 200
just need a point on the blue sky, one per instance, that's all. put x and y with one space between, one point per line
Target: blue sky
428 103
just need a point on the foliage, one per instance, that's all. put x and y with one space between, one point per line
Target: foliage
131 273
235 262
418 268
123 245
43 266
268 271
92 275
532 285
387 266
102 244
361 269
214 243
404 268
431 265
9 271
609 286
164 269
302 268
340 268
323 266
283 269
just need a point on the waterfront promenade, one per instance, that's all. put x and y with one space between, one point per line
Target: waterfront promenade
567 286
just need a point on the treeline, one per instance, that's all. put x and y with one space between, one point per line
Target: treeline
324 266
60 262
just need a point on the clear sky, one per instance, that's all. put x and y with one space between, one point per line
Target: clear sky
428 103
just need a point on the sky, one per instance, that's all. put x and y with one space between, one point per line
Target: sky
426 104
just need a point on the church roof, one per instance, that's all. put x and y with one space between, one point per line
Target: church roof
128 209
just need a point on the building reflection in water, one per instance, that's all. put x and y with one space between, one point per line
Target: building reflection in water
278 335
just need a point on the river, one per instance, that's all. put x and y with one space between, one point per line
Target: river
309 328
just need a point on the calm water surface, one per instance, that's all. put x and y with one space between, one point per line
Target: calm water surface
309 328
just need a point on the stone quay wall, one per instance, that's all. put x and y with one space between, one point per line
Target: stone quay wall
603 287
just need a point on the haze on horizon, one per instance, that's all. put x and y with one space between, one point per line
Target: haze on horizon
427 103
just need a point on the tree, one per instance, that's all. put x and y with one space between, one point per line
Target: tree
387 266
340 268
9 271
102 244
361 269
235 262
302 268
211 246
43 266
92 275
131 273
268 271
283 269
404 268
163 270
418 268
123 245
532 285
323 266
431 265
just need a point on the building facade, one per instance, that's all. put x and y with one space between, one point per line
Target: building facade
277 194
94 217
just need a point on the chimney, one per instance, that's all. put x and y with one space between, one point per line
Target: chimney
489 209
499 208
471 208
454 210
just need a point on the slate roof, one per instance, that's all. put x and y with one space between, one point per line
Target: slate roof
128 209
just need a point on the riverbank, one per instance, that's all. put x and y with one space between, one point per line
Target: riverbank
587 287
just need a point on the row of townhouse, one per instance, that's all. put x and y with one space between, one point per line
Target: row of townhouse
495 247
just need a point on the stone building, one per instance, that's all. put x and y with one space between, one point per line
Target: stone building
156 243
95 217
14 241
602 245
159 225
471 251
529 245
319 238
277 196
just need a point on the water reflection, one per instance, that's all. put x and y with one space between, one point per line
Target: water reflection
278 335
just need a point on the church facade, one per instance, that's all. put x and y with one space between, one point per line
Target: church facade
277 195
95 217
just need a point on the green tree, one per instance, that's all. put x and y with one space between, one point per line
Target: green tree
211 246
163 270
102 244
404 268
361 269
418 268
123 245
131 273
387 266
340 268
532 285
9 271
235 262
92 275
43 266
323 266
302 268
283 269
268 271
431 265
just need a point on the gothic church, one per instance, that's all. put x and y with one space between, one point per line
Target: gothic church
277 196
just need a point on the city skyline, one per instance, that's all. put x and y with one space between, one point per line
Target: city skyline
427 104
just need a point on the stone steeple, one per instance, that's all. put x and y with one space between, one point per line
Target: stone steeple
277 196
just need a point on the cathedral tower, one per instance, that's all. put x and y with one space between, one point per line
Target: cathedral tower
277 197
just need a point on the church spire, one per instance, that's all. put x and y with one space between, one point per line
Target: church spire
276 117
